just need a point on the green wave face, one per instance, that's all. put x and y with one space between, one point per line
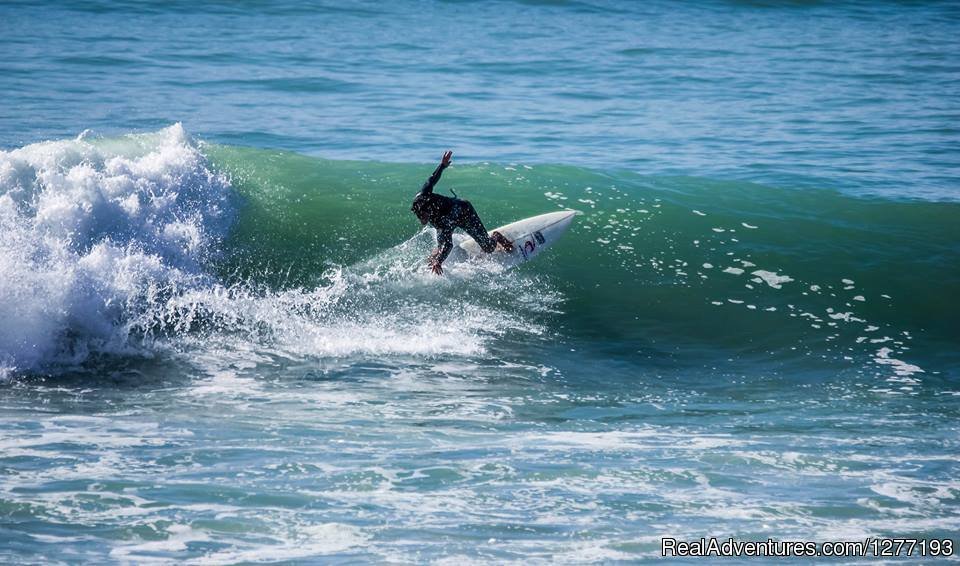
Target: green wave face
672 269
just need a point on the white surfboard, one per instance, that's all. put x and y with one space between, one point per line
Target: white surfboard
530 237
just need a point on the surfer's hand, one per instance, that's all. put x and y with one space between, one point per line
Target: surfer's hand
445 160
435 263
504 243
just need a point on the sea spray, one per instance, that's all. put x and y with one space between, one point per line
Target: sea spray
387 305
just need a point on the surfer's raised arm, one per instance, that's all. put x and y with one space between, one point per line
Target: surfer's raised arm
444 163
446 214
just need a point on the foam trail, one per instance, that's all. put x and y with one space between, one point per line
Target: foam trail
386 305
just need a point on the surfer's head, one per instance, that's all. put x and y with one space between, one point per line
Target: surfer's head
419 207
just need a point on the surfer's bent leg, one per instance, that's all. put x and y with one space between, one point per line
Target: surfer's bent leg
472 225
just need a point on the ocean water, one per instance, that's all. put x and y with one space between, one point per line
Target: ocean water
219 343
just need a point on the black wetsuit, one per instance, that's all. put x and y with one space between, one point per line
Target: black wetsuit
448 213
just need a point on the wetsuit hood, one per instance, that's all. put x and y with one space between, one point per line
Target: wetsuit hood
419 203
421 207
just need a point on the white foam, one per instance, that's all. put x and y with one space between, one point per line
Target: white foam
303 542
900 368
772 279
89 228
179 536
844 316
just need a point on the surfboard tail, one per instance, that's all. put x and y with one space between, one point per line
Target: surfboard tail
530 236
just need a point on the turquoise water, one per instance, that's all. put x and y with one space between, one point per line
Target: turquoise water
220 344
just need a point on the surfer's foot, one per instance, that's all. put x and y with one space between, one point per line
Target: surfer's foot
500 239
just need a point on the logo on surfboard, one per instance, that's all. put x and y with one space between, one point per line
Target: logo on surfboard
527 248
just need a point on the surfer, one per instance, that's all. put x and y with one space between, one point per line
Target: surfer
447 213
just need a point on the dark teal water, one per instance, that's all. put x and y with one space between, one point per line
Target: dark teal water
219 344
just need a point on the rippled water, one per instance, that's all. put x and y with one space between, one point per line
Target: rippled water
857 95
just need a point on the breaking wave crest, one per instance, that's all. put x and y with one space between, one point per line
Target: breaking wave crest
94 232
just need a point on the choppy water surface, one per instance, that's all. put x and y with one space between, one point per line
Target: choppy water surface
219 343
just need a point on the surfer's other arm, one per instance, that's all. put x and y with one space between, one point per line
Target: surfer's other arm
444 245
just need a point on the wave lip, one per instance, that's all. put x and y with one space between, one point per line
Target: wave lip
93 231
